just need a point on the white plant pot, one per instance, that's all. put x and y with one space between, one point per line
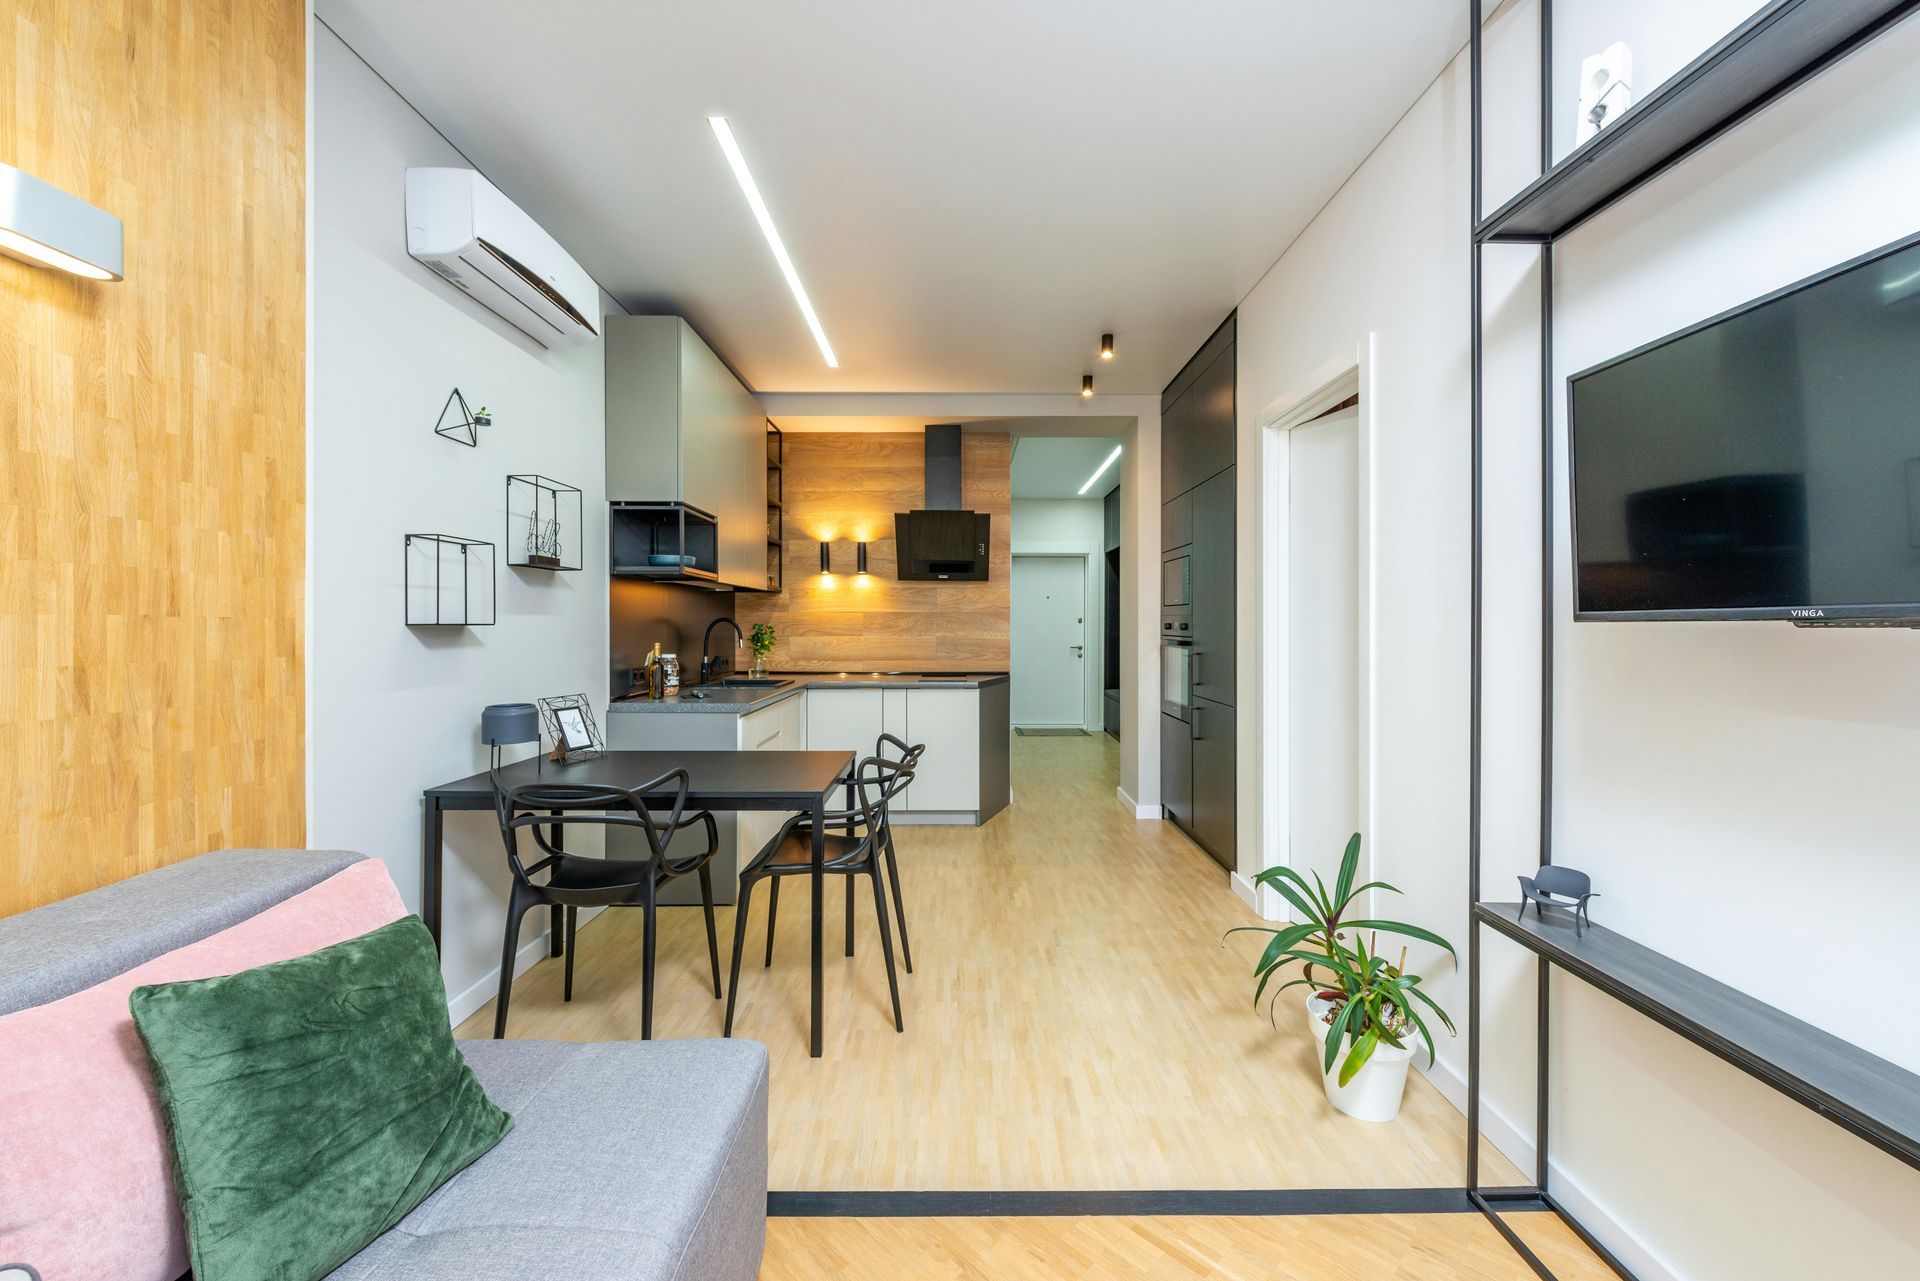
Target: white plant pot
1376 1090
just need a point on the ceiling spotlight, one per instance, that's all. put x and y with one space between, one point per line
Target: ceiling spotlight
1106 346
1086 386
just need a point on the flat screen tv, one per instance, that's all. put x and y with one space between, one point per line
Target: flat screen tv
1764 464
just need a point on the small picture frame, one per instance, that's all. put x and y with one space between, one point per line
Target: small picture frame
569 725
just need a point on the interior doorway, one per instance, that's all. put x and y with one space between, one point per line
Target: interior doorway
1315 744
1049 641
1323 625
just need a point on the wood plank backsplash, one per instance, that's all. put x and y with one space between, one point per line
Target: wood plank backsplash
846 487
152 444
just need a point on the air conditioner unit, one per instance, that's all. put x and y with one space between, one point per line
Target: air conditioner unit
477 240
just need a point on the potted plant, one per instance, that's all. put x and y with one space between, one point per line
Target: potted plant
1343 983
761 639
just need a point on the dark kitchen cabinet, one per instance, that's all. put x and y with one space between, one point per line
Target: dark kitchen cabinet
1176 770
1110 516
1211 574
1211 749
1176 523
1197 416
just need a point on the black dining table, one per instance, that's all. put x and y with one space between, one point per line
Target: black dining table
729 781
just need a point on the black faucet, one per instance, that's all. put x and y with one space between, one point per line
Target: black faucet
706 663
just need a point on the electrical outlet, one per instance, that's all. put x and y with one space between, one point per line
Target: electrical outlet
1606 90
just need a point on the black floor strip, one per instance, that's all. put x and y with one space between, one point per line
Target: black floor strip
960 1205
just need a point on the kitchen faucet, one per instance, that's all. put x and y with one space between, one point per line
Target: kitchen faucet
706 663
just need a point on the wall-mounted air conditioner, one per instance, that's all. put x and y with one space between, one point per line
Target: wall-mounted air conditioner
477 240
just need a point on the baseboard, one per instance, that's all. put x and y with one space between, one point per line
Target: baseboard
1499 1130
462 1005
1138 810
935 818
1245 890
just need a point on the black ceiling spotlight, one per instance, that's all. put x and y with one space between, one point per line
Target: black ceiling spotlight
1086 386
826 562
860 558
1106 346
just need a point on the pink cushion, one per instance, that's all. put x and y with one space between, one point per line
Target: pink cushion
86 1175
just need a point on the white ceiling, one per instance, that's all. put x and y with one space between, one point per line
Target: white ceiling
972 193
1056 466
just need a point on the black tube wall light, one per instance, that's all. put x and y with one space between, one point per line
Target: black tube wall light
860 558
826 560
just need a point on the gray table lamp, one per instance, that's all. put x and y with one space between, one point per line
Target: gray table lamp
505 723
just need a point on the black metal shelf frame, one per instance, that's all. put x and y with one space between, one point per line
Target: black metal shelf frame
546 526
1778 48
471 577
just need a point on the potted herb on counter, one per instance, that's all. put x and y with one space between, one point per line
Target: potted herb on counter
761 639
1354 996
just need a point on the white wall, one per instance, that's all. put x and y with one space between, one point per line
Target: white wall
393 709
1055 525
1738 790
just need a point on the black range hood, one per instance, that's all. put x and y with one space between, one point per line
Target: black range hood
942 540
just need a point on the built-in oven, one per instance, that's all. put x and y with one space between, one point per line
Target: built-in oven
1176 661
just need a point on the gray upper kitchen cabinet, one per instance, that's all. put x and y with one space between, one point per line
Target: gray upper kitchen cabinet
681 429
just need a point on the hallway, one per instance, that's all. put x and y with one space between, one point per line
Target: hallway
1073 1020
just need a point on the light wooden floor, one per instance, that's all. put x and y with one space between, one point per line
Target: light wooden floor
1374 1247
1073 1023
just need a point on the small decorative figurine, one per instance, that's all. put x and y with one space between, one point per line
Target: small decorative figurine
1556 886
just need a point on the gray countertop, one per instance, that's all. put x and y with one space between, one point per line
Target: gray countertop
741 701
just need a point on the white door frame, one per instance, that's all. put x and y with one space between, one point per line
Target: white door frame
1333 383
1092 655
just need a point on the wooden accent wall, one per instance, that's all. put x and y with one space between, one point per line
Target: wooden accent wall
846 487
152 444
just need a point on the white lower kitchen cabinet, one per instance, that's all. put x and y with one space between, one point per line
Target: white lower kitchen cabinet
947 779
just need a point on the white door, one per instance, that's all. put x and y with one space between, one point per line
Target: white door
1323 625
1049 640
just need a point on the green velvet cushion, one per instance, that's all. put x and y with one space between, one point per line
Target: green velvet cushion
312 1103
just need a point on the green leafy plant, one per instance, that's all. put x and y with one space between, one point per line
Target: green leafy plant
1375 1000
761 639
1378 1003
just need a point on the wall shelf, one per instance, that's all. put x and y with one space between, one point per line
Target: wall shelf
448 581
1877 1100
1783 44
545 526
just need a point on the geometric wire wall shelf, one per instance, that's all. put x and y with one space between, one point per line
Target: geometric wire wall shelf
544 523
461 429
448 581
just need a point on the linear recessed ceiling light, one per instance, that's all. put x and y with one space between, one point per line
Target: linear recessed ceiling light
41 224
1101 470
751 190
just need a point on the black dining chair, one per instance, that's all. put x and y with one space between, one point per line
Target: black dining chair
572 882
908 758
855 852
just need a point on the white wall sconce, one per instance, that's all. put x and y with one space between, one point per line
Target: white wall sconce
43 225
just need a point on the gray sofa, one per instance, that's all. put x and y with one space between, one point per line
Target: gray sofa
626 1159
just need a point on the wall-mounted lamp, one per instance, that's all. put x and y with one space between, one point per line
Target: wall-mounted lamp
43 225
1086 386
1106 346
826 560
860 558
